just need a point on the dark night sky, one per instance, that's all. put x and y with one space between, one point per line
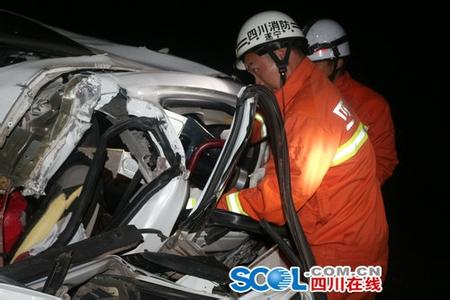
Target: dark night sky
386 42
397 51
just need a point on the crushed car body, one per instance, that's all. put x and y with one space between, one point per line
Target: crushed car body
112 159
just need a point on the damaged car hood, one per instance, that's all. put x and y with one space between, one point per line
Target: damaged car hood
19 82
141 55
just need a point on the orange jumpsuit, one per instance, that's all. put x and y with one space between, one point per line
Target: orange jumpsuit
374 112
334 186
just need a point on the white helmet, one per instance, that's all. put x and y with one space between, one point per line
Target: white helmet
327 40
262 29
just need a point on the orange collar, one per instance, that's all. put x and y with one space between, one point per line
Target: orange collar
295 82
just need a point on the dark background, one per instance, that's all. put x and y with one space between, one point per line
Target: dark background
400 50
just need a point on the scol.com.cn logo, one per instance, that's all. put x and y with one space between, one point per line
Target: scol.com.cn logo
277 279
321 279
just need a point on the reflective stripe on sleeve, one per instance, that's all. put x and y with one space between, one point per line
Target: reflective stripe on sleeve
234 204
352 146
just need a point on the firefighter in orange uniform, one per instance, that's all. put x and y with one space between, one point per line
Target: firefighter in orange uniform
334 185
328 50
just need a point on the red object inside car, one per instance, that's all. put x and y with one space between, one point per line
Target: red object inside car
13 218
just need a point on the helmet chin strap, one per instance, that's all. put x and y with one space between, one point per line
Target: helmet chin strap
337 55
335 71
282 65
332 77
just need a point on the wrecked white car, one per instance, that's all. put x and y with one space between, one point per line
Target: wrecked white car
112 159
